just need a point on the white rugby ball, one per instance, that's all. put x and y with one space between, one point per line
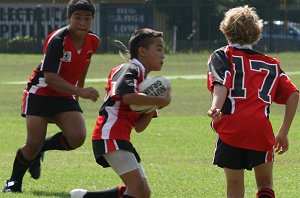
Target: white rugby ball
152 86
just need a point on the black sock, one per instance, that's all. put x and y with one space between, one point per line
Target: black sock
112 193
127 196
56 142
20 167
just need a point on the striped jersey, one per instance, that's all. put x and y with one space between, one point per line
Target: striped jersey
62 57
254 81
116 119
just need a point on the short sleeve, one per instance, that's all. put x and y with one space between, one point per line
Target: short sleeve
124 81
95 41
284 89
218 69
53 54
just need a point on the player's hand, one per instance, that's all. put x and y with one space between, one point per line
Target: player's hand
166 99
89 93
214 113
282 143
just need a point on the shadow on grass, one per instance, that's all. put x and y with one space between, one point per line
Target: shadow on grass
50 194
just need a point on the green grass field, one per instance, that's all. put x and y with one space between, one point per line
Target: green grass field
176 149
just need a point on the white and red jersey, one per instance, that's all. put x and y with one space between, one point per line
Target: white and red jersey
254 81
62 57
116 119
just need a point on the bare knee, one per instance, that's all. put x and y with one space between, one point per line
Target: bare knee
235 183
76 140
264 175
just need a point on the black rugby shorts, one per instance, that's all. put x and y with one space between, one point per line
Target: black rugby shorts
227 156
48 106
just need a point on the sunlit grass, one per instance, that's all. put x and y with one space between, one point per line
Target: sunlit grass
176 149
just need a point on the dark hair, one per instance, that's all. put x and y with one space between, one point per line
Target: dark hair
75 5
141 38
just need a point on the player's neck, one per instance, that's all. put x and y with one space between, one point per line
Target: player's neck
78 41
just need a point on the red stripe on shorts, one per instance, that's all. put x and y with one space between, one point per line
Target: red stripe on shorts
25 101
270 155
110 146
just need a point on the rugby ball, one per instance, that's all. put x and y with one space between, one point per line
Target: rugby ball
152 86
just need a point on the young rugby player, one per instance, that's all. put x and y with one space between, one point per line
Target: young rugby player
111 137
244 83
50 95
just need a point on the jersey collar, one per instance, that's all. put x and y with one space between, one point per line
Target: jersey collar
245 46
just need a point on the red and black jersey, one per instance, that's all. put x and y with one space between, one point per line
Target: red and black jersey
62 57
254 81
116 119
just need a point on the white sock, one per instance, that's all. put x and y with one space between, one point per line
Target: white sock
77 193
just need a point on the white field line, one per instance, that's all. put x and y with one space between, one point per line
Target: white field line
187 77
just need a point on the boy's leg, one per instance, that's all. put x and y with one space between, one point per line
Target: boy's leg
136 186
235 183
20 166
112 193
73 136
36 132
264 180
73 132
131 172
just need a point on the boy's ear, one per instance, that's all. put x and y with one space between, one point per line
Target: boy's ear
142 51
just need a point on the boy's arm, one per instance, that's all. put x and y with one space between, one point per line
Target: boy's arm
282 143
81 80
219 97
145 119
59 84
138 99
143 122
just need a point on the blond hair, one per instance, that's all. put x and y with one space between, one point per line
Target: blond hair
242 25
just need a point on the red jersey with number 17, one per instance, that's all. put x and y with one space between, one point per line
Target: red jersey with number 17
254 81
62 57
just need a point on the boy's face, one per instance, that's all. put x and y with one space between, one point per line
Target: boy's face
80 23
154 56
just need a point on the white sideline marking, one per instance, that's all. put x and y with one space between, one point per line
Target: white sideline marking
188 77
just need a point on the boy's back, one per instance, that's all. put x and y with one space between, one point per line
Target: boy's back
254 81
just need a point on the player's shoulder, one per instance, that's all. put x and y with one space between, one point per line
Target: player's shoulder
59 33
272 59
129 65
93 40
221 50
93 35
57 36
253 54
219 55
123 68
256 55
